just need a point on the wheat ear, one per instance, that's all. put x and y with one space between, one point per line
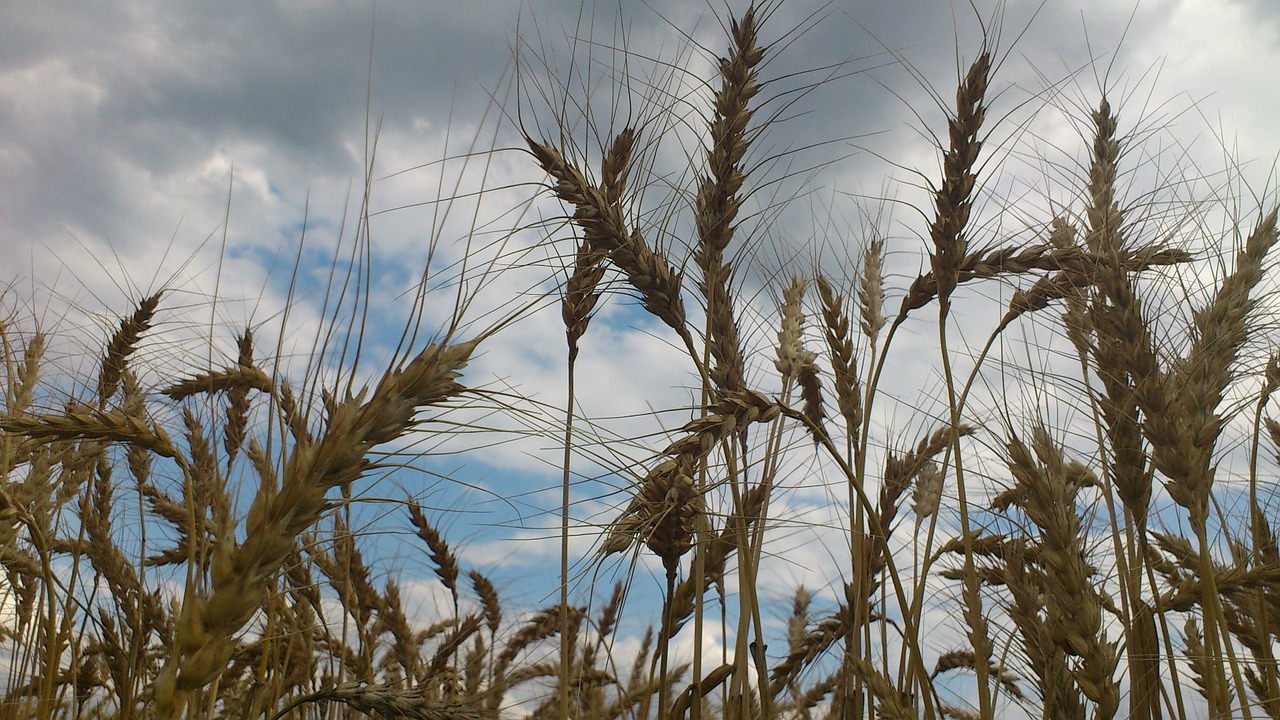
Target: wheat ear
241 570
604 225
123 343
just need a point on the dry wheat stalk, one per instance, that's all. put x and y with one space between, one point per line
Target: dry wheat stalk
1143 655
705 687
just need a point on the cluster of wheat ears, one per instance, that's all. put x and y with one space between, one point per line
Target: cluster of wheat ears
1124 570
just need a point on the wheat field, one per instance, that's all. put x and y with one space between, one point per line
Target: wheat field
1078 524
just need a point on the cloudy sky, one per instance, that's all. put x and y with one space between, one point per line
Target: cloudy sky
194 146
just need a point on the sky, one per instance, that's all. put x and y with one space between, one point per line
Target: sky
209 148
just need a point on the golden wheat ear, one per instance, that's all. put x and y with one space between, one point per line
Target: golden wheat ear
122 345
